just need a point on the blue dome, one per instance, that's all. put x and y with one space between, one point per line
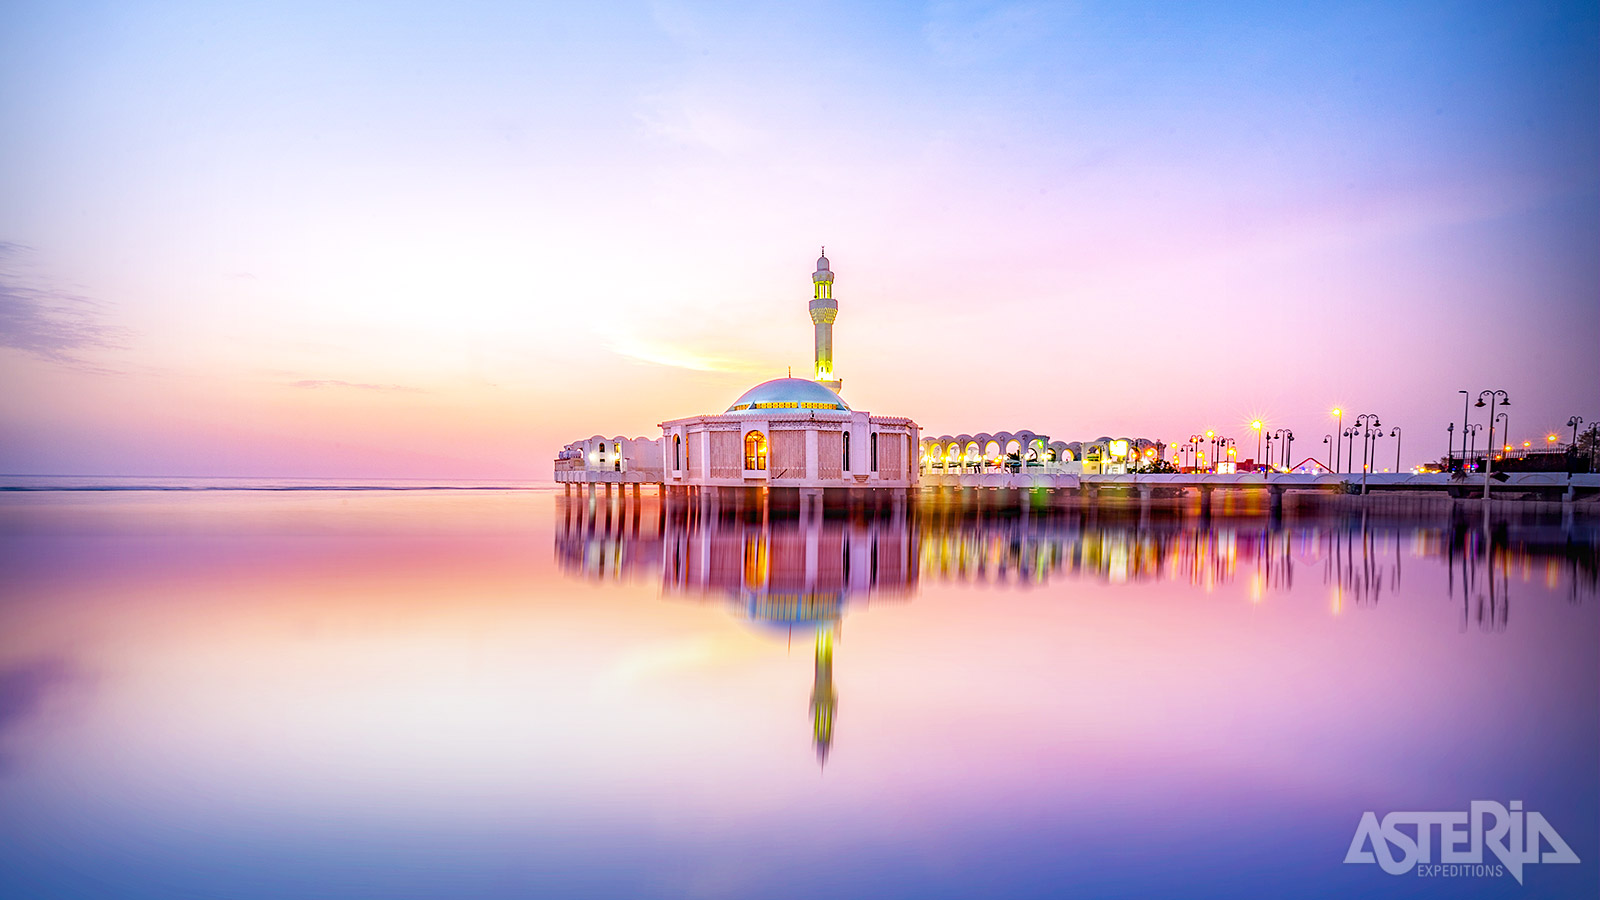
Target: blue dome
789 393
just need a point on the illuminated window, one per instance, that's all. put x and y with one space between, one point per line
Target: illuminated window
755 451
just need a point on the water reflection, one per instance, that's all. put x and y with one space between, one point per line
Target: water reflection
797 571
802 574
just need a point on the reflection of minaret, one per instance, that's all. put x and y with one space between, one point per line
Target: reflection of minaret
824 309
823 697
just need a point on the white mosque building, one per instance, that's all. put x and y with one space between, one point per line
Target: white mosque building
785 434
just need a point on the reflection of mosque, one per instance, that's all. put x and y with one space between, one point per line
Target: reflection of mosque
801 574
782 574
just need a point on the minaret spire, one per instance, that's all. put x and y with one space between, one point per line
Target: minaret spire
824 309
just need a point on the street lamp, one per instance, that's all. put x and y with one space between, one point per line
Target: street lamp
1503 399
1194 450
1367 422
1574 422
1396 435
1267 461
1465 412
1340 413
1350 444
1257 425
1285 438
1328 439
1450 458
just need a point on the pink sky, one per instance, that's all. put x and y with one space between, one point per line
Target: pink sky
430 244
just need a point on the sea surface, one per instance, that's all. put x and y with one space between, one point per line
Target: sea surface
330 689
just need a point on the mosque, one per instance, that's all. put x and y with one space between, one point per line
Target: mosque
793 437
798 443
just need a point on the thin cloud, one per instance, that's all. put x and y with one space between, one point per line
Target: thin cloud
677 357
318 383
49 323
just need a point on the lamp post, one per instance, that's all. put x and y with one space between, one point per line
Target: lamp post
1450 458
1226 447
1268 459
1475 429
1194 450
1257 425
1367 422
1503 399
1339 430
1572 452
1396 435
1328 439
1466 396
1211 440
1285 437
1350 445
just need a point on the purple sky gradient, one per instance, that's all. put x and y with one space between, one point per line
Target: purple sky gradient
424 241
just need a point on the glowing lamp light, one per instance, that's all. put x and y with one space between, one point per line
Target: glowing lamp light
1550 438
1256 424
1119 449
1527 444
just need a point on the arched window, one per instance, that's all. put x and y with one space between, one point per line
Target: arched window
755 451
847 451
677 453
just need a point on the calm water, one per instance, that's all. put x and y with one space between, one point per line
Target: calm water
501 693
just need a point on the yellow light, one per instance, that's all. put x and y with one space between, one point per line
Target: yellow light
1256 424
1551 438
1527 444
1337 411
1210 435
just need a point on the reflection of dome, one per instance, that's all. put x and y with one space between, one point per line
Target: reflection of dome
789 393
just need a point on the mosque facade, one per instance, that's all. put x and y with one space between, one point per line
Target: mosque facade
787 434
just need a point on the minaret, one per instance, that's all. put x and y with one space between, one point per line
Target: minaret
824 309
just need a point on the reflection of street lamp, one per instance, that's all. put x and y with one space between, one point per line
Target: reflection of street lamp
1503 399
1340 413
